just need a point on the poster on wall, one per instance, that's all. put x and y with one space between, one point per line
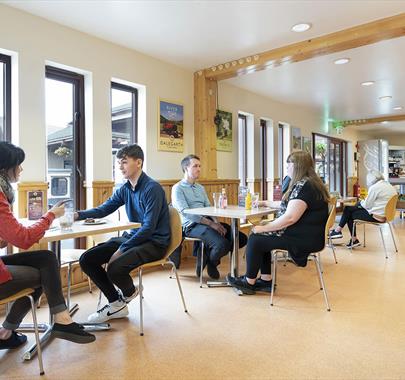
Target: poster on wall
295 139
171 120
224 131
35 204
307 145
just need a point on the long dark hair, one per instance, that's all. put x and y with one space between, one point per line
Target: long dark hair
304 168
11 157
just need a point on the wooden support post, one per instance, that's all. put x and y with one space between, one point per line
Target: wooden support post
205 96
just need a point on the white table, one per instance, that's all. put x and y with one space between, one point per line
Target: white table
235 213
54 236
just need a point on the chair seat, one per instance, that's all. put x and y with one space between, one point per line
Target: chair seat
359 221
192 239
69 256
154 263
14 297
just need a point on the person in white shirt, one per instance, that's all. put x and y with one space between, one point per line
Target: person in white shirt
371 209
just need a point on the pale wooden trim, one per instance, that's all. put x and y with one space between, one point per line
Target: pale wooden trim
361 35
373 120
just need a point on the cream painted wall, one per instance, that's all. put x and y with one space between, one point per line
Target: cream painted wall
37 41
235 99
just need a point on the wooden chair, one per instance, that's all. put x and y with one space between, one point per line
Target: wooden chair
28 293
315 256
390 210
176 237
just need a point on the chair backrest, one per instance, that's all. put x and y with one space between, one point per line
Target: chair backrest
391 208
176 231
332 215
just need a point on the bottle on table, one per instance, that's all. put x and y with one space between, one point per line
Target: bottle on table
248 201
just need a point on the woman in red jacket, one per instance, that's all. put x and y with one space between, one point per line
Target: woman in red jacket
38 270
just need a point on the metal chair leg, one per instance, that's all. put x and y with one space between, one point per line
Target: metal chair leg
325 295
69 281
364 234
140 302
382 237
39 350
201 263
273 275
179 286
90 285
333 249
393 239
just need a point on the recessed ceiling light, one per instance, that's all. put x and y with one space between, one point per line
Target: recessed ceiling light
387 97
368 83
398 108
301 27
384 122
341 61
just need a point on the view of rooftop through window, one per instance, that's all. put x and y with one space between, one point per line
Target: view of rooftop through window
123 120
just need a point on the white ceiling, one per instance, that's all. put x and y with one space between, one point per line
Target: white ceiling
198 34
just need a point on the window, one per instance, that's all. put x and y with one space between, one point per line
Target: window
5 97
263 158
59 187
124 115
331 162
280 152
242 131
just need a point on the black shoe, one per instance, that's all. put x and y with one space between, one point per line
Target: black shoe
263 286
335 235
353 244
16 340
241 284
212 270
72 332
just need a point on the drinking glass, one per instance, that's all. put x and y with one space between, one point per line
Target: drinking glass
215 197
255 200
66 220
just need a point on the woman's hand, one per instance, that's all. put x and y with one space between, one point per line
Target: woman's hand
58 210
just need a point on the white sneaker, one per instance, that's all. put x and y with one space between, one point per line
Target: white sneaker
131 297
117 309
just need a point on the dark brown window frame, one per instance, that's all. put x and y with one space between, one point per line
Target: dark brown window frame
263 158
134 105
77 80
6 60
245 153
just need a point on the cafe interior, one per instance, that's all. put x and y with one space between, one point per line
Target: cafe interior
240 84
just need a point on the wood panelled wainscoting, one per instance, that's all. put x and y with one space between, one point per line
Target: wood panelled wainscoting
99 191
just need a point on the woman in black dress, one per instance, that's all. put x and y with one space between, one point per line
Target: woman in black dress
299 227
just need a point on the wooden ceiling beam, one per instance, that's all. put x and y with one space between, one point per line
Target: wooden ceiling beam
373 120
361 35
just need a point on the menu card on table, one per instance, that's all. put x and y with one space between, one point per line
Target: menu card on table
35 200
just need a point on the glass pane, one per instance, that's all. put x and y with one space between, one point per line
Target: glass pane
2 100
122 125
338 168
332 168
321 157
60 152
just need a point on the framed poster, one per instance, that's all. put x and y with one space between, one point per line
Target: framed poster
295 139
224 131
307 144
35 204
171 120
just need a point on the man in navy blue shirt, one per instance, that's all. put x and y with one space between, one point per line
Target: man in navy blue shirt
145 202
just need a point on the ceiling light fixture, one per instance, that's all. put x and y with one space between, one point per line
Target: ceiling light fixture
384 122
368 83
341 61
398 108
301 27
387 97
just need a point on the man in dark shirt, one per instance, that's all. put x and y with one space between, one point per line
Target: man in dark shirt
145 202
